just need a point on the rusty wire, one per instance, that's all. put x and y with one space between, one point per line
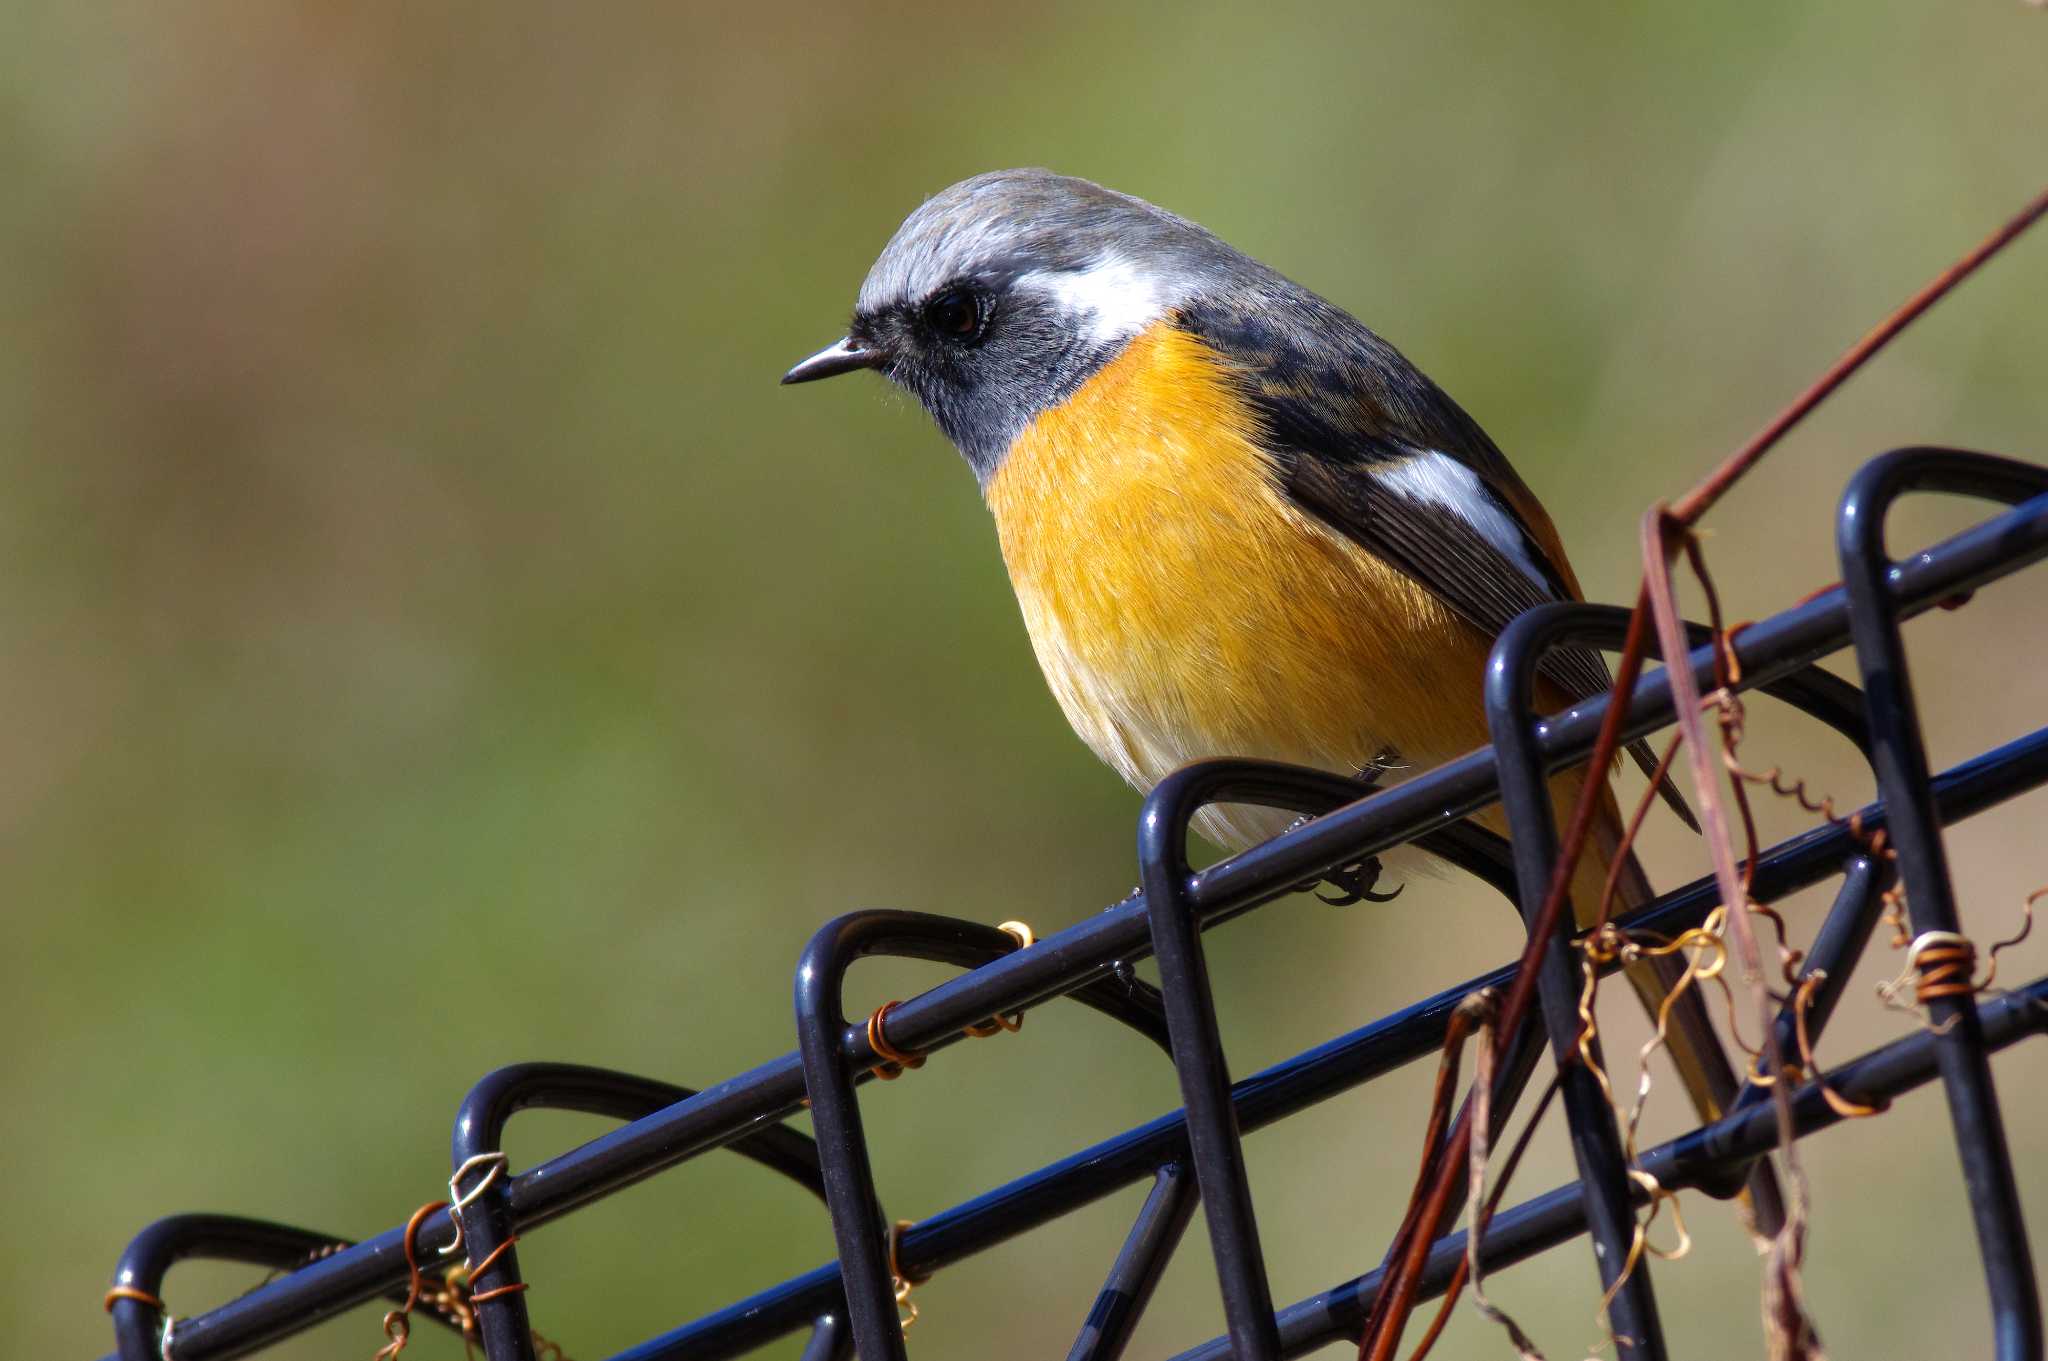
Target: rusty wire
1788 1330
1701 498
1666 530
901 1280
1481 1007
1841 1105
1873 840
398 1322
1475 1181
1943 964
450 1294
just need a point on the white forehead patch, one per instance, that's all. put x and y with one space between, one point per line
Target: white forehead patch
1111 298
1442 481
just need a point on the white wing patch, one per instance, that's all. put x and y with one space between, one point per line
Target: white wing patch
1444 482
1111 299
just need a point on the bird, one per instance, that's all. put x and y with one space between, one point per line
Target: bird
1238 522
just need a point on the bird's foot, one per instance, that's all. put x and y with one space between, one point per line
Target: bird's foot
1384 760
1356 884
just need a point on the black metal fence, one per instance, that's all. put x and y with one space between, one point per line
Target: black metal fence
1194 1154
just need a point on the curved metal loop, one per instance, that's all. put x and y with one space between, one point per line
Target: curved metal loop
1511 667
1526 797
1878 484
505 1329
136 1299
1215 1147
1811 690
1899 756
481 1120
823 1046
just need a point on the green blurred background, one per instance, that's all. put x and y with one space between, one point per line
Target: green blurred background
410 571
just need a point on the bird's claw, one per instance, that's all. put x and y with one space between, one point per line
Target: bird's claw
1356 882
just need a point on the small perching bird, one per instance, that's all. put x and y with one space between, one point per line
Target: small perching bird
1238 522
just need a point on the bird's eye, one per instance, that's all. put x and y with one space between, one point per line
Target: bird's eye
955 313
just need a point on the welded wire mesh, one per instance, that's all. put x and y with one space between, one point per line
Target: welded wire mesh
456 1263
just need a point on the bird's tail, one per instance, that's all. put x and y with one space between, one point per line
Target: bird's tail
1695 1048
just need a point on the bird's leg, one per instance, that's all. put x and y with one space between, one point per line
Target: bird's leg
1383 760
1355 882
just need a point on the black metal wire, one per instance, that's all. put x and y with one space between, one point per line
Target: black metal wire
1837 948
1558 1216
502 1323
1213 1141
1595 1138
1316 1075
1214 1145
848 1305
857 1223
1900 758
214 1238
1161 1221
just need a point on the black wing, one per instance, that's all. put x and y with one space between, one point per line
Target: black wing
1343 410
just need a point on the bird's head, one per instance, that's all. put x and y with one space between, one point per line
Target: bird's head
1001 295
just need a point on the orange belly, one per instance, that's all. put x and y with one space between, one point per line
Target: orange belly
1182 607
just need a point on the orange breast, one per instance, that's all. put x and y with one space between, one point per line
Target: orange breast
1182 607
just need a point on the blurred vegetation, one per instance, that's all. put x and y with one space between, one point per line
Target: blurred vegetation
433 640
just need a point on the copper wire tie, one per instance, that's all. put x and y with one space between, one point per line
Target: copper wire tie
903 1282
894 1060
115 1294
490 1260
494 1164
129 1292
1025 937
1944 962
398 1323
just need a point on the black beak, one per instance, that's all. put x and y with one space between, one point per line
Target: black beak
841 356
